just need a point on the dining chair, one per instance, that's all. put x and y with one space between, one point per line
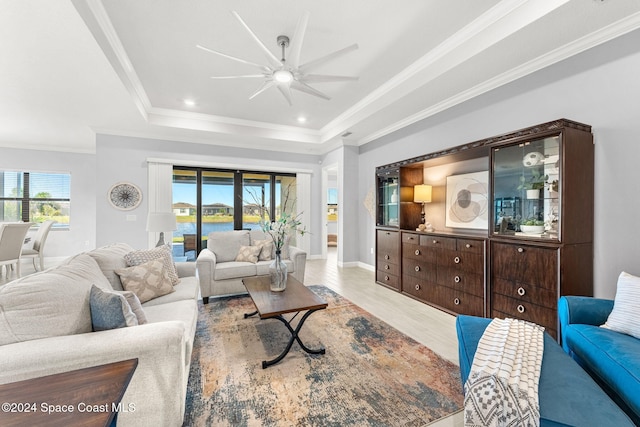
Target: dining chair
37 250
11 240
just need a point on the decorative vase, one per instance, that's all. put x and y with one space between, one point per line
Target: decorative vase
394 196
533 194
278 273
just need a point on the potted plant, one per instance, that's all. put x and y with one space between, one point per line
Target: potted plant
533 184
532 226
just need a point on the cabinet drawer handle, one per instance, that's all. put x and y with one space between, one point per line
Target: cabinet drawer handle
520 250
456 301
467 246
521 309
410 237
457 260
417 268
386 257
435 242
521 291
417 252
386 267
386 277
456 279
417 287
387 233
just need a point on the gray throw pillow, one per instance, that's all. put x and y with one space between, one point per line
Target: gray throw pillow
162 253
136 307
110 310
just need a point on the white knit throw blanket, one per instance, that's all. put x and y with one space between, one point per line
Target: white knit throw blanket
502 388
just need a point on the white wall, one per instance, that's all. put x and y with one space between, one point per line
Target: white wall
125 159
601 88
81 233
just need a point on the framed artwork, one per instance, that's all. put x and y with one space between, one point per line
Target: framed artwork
466 203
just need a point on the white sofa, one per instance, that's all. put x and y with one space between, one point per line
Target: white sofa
220 274
45 328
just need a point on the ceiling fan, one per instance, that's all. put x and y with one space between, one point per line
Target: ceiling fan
287 73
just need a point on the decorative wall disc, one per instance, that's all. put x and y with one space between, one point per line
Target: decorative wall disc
125 196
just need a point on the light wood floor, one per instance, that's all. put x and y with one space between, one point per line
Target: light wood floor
427 325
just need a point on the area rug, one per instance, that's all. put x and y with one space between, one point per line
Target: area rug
371 374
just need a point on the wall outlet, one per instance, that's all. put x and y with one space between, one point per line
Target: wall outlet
371 251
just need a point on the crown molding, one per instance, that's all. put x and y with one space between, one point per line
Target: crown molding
610 32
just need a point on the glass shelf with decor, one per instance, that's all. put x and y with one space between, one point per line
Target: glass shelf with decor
388 198
526 179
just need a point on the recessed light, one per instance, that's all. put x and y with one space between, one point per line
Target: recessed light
302 119
189 102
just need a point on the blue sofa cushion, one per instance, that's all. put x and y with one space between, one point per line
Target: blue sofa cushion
568 396
612 358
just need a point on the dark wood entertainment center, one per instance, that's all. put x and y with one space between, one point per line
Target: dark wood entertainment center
535 247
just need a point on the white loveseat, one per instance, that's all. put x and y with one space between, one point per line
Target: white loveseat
46 328
220 274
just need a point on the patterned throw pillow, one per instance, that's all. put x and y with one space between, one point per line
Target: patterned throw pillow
248 254
266 249
110 310
625 316
148 280
161 252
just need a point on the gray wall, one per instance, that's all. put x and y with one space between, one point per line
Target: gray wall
81 233
599 87
125 159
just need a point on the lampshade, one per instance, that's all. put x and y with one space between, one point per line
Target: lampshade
161 221
422 193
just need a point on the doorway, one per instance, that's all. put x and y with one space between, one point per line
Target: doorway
330 209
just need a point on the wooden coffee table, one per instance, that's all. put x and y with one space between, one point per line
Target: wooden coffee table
296 298
85 397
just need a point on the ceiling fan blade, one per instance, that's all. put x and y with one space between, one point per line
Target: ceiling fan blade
303 87
319 78
286 92
275 62
248 76
224 55
295 46
266 85
329 57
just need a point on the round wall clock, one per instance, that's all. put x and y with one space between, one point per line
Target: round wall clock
125 196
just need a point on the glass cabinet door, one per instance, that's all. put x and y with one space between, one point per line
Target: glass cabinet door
388 198
526 184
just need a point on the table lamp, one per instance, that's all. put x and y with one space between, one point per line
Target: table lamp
161 222
422 194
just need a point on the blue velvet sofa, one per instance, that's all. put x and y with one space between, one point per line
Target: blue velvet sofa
568 396
611 358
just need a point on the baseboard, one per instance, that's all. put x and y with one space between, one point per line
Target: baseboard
314 256
366 266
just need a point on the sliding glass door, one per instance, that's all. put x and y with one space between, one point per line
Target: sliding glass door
208 200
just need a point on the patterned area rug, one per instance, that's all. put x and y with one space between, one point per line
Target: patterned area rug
371 374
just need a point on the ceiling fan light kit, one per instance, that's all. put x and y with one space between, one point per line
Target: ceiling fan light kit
286 73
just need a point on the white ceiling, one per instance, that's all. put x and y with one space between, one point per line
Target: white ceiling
73 68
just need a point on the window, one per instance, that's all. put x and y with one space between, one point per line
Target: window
35 197
208 200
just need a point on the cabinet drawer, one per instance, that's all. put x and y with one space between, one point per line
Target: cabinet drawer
387 268
526 264
438 242
462 261
461 281
419 288
525 292
387 279
470 246
388 244
418 252
460 302
420 269
388 258
411 238
545 316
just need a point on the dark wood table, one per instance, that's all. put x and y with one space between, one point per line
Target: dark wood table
85 397
296 298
